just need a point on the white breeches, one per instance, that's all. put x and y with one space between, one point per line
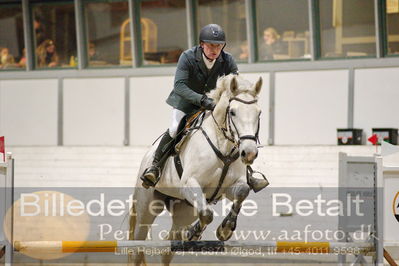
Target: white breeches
177 116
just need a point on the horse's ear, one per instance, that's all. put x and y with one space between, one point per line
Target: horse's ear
258 85
234 86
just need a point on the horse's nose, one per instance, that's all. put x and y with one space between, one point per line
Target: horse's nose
251 156
248 157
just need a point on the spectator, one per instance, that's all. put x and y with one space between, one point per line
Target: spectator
272 44
244 54
39 31
47 55
6 59
22 61
93 56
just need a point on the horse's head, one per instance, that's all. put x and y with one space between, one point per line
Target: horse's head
239 105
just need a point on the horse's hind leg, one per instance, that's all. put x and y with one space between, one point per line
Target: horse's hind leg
182 215
237 194
141 217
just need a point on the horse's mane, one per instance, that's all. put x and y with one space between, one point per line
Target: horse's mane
223 87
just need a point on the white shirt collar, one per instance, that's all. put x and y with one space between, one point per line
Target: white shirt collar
208 64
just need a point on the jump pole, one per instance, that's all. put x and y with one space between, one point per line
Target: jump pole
196 246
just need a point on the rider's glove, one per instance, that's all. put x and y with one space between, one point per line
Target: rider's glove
207 103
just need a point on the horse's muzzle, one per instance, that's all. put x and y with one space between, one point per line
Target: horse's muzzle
248 157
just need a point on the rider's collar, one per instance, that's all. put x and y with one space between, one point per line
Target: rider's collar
208 64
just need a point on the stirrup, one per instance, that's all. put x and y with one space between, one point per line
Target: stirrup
148 177
257 184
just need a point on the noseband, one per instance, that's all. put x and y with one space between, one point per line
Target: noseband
228 120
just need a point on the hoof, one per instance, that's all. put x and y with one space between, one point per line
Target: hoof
193 233
184 234
191 236
223 233
206 216
226 229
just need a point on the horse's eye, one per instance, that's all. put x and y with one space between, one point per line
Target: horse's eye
232 113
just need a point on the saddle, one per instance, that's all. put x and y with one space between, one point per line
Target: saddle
186 125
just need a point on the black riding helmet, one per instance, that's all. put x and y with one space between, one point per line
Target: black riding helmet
212 33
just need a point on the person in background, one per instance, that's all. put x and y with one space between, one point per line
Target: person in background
22 61
244 51
271 44
39 31
95 58
6 59
92 52
47 55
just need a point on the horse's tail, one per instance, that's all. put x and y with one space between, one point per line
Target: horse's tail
132 221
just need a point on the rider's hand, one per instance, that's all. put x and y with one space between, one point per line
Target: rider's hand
207 103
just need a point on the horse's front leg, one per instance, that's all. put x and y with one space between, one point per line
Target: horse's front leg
237 193
193 193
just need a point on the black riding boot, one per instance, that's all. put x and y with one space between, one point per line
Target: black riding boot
153 173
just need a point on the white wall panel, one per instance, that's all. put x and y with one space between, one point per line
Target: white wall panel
376 98
28 111
94 111
310 106
150 115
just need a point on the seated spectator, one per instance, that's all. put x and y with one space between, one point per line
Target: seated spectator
271 45
92 52
94 56
244 51
47 55
22 61
6 59
39 30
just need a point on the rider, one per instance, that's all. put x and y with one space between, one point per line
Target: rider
197 72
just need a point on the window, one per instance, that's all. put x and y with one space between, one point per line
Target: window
12 52
282 29
109 41
230 15
163 30
54 34
392 21
347 28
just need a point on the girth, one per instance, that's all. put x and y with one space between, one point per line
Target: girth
227 160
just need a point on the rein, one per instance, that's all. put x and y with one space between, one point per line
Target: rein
227 160
228 120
